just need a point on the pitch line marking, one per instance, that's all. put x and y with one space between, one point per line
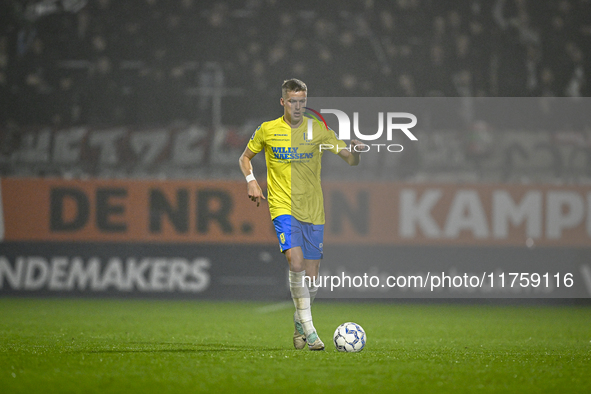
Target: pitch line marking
275 307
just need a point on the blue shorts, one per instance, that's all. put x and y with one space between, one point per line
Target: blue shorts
291 233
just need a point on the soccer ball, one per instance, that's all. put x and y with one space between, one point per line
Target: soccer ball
349 337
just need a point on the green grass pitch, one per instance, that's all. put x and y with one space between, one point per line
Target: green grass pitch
141 346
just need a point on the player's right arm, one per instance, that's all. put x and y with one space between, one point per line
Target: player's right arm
255 145
254 190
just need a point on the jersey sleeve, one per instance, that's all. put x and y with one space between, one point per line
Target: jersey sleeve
332 139
257 141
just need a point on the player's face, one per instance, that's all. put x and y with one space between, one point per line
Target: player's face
293 105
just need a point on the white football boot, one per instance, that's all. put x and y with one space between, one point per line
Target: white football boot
299 339
314 342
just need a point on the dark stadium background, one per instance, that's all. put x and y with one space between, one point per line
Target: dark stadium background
104 98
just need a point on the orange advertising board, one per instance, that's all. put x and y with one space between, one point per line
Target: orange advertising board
132 211
363 213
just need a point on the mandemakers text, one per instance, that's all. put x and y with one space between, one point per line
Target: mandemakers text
151 274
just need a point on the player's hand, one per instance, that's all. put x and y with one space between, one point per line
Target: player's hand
361 147
255 192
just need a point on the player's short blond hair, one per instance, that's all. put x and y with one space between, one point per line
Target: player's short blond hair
293 85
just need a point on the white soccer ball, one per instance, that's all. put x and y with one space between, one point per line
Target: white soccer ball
349 337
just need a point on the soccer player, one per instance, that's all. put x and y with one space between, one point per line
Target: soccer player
293 152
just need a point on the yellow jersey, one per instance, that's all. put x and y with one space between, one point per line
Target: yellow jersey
293 166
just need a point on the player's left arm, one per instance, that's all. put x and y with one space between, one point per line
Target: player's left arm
352 158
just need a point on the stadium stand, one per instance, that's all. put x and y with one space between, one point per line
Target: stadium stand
155 63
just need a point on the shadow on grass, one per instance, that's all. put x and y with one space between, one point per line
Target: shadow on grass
181 348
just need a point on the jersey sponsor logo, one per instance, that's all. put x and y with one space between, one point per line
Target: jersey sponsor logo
290 153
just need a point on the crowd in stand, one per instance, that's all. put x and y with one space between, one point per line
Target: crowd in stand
135 62
157 61
163 62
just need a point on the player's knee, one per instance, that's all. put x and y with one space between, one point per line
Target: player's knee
296 263
296 266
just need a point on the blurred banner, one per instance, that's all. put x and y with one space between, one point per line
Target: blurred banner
207 239
524 140
132 211
369 213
